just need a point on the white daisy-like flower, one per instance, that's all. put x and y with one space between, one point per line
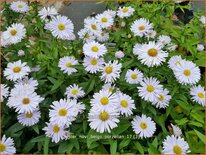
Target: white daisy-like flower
66 64
198 94
7 146
200 47
151 34
24 101
21 53
110 12
175 145
47 13
4 91
74 91
202 19
104 20
104 100
35 68
92 26
61 27
4 39
150 89
16 70
126 104
79 107
123 24
15 33
141 27
93 65
136 49
187 73
163 99
103 36
19 6
172 47
164 40
108 87
103 120
143 126
30 118
151 54
176 130
111 71
94 49
175 61
125 12
56 132
86 35
63 112
133 76
26 81
119 54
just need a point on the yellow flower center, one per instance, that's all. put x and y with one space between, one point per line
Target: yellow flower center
26 101
134 76
29 115
69 64
102 34
104 116
178 109
104 20
62 112
125 10
177 63
161 97
87 35
110 90
75 92
177 149
152 52
150 88
187 72
124 103
104 100
143 125
20 6
13 32
95 49
61 27
16 69
56 129
163 41
2 147
108 70
94 27
201 95
93 62
141 28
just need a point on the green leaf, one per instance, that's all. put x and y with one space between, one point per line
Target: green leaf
38 139
200 135
46 145
65 147
139 147
123 126
113 146
57 84
124 143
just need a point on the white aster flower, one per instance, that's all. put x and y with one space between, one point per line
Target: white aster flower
200 47
56 132
79 107
21 53
108 87
66 64
175 61
187 73
7 146
93 65
176 130
110 12
19 6
16 70
126 104
172 47
74 91
15 33
150 89
35 68
94 49
63 112
136 49
123 24
4 39
202 19
175 145
151 54
103 36
104 100
86 35
151 34
103 120
133 76
119 54
198 94
143 126
92 26
4 91
30 118
141 27
61 27
124 12
104 20
164 40
26 81
111 71
163 99
47 13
